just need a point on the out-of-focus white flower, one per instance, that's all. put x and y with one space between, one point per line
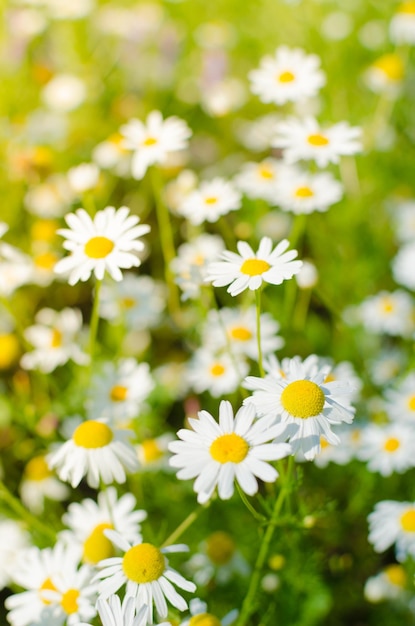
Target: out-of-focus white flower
199 614
337 25
391 523
403 266
39 483
217 373
403 219
402 25
223 97
387 365
50 198
210 201
259 180
177 190
257 135
388 448
301 192
83 177
386 74
389 584
307 277
400 400
64 93
391 313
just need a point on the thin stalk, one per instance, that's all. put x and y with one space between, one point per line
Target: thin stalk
93 327
258 516
184 526
17 507
258 331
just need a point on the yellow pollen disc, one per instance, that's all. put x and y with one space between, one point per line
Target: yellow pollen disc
387 305
407 7
254 267
211 200
355 436
396 575
317 140
391 65
240 333
304 192
44 230
97 546
37 469
150 141
143 563
92 434
266 172
323 443
47 585
151 450
230 448
56 340
9 350
128 303
45 261
217 370
411 403
391 444
199 260
69 601
118 393
204 619
303 399
98 247
220 547
286 77
408 521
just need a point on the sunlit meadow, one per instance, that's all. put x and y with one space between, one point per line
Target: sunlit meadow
207 267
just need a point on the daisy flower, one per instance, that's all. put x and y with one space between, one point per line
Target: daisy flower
55 337
120 390
97 451
387 365
402 25
153 141
288 76
400 402
87 521
403 219
387 448
248 270
39 483
210 201
255 135
391 313
306 140
403 264
107 243
199 615
83 177
301 192
391 523
339 454
113 613
259 180
304 402
146 573
386 74
390 583
153 453
233 449
64 93
217 373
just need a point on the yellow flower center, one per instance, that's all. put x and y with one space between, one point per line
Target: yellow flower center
199 260
230 448
329 378
276 562
92 434
240 333
45 261
411 403
211 200
98 247
286 77
44 230
9 350
408 521
150 141
143 563
266 172
204 619
391 444
254 267
323 443
396 575
407 7
69 601
220 547
217 370
37 469
56 339
47 585
128 303
317 140
387 305
303 399
151 450
97 546
304 192
391 65
118 393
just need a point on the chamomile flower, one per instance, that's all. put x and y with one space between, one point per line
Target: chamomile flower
217 373
107 243
153 453
249 269
83 177
200 616
55 338
306 140
290 75
64 93
87 521
120 390
400 401
259 180
403 219
304 402
97 451
217 454
113 613
338 454
391 523
391 313
210 201
387 365
389 584
302 192
402 26
403 264
153 141
39 483
145 572
386 74
387 448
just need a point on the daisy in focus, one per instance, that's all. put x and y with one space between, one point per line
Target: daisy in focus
153 141
302 192
107 243
391 523
306 140
288 76
55 337
97 451
113 613
145 572
304 402
248 270
210 201
235 449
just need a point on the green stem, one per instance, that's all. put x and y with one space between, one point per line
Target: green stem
22 513
93 327
184 526
258 331
254 512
